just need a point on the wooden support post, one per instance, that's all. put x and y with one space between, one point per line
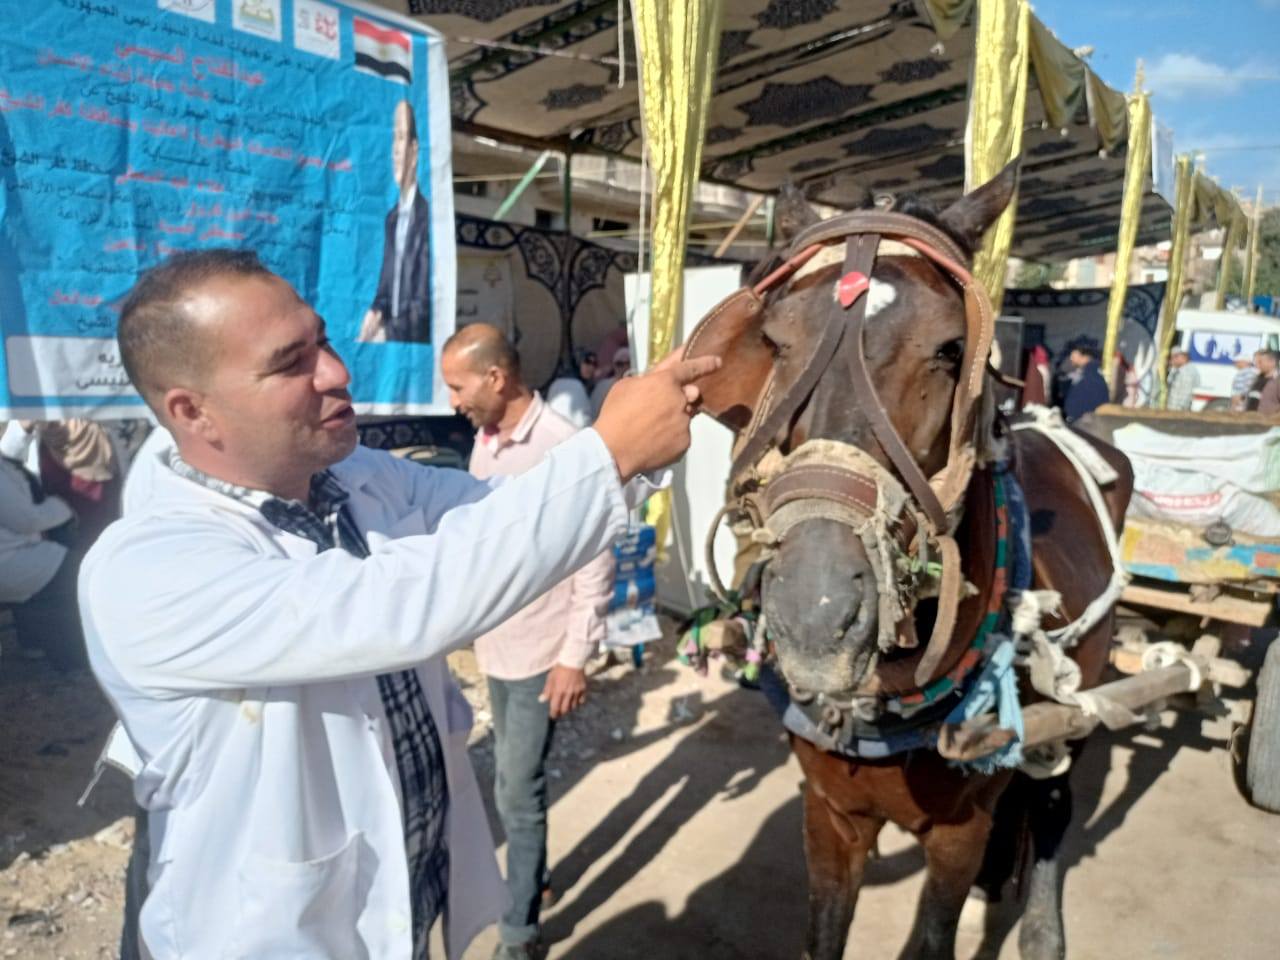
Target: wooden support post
1046 722
732 235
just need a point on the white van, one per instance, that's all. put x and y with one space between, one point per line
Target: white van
1214 339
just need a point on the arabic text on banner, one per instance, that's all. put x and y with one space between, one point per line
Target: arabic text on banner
312 132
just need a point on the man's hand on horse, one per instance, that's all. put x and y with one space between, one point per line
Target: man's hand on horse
566 690
645 419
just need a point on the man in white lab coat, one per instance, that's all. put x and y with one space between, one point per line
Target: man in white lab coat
271 627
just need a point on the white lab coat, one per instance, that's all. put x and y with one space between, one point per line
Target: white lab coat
242 664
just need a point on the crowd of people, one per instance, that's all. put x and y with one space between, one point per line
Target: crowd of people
1081 388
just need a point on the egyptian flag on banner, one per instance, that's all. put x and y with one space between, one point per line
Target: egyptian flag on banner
383 52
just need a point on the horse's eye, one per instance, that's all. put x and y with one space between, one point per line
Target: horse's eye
952 351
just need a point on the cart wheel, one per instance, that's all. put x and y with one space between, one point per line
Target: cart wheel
1262 772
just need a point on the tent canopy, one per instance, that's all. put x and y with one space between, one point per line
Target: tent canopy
846 98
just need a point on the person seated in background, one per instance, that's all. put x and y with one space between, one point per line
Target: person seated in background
1087 390
621 367
37 571
568 395
1242 383
588 368
78 463
1183 381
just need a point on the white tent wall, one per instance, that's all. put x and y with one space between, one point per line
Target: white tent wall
700 479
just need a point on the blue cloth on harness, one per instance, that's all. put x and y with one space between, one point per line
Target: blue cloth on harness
996 685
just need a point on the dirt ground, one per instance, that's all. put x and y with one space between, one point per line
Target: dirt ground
675 833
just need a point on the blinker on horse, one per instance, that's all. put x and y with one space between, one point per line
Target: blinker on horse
860 468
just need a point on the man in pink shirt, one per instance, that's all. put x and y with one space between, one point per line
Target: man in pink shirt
535 661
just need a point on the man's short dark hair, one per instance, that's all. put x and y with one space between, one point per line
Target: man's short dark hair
1272 355
159 344
1088 349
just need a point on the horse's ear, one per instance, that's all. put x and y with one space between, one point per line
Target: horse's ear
733 331
792 213
971 215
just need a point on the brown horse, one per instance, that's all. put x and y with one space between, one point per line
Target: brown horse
822 593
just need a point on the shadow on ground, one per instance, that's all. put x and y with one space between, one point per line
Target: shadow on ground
53 728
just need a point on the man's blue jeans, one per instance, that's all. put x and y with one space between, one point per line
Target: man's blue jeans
522 730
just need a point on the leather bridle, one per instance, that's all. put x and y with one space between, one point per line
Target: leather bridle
847 485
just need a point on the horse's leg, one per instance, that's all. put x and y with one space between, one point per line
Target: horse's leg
1005 841
835 847
953 854
1048 815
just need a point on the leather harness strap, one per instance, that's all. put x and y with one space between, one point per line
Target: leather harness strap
779 415
834 483
872 408
884 222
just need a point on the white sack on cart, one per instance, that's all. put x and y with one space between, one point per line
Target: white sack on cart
1198 499
1250 461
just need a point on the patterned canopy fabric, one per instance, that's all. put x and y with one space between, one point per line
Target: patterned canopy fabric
846 98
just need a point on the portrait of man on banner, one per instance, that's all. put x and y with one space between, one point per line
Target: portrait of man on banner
401 308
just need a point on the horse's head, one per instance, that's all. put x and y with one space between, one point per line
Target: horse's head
822 599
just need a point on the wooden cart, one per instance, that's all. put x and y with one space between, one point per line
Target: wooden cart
1213 578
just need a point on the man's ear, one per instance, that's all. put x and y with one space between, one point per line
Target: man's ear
186 414
971 215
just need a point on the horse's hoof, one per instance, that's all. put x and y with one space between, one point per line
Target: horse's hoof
1041 939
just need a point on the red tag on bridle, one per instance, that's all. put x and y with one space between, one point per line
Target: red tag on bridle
852 286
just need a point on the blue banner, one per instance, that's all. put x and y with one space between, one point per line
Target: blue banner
316 133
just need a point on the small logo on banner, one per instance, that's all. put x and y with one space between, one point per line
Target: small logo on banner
315 29
205 10
383 52
260 17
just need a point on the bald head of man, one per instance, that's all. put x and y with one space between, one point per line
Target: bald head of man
482 371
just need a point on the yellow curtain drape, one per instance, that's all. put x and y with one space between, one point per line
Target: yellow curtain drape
948 16
1136 167
1060 75
1182 216
1109 111
677 42
997 114
1229 245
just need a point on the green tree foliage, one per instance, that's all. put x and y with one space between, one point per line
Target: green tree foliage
1268 281
1033 275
